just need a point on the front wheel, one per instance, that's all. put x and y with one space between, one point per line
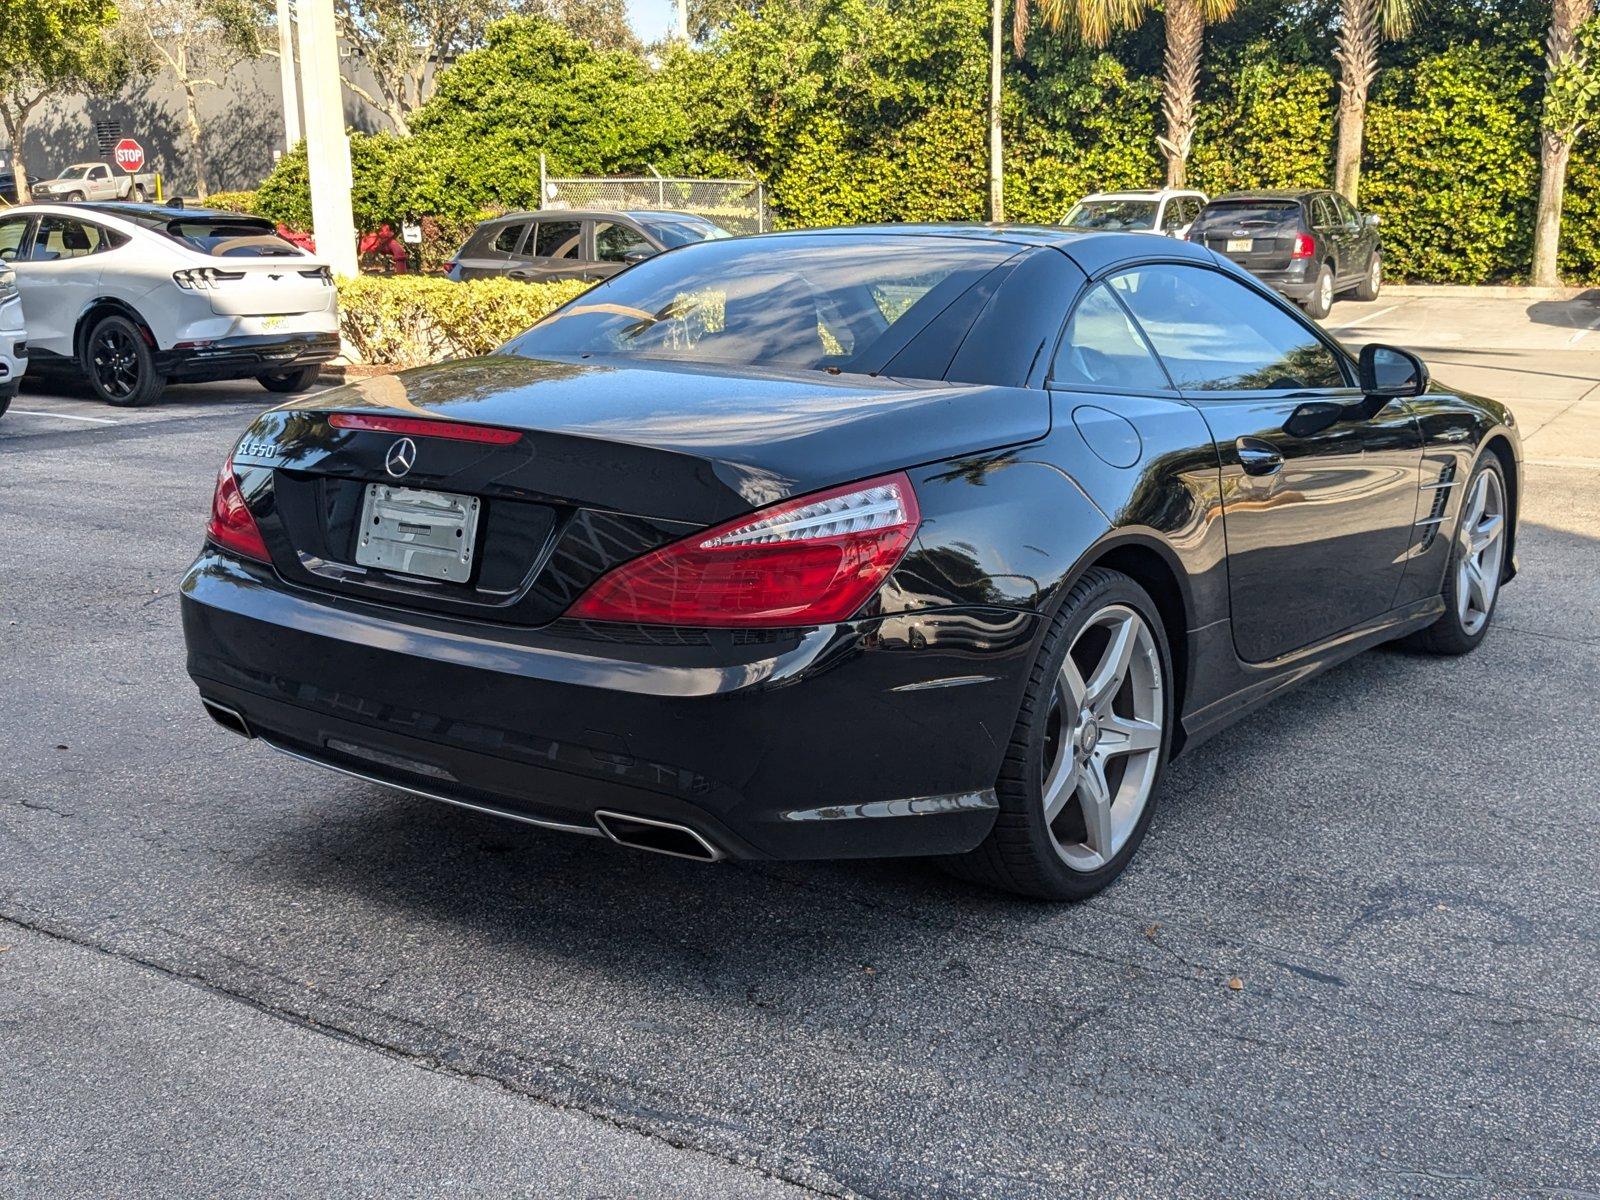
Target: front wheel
137 194
1477 562
1320 302
1372 282
7 395
287 382
1075 790
119 364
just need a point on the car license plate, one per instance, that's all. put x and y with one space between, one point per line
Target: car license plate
417 532
1240 245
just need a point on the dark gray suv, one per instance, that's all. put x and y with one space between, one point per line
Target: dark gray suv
572 244
1310 245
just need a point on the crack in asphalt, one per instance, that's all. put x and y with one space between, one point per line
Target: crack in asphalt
426 1062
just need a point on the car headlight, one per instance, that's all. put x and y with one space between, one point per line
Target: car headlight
8 287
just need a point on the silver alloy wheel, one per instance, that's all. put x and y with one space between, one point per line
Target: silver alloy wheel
1482 550
1375 275
1102 743
1325 291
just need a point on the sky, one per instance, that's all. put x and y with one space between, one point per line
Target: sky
650 18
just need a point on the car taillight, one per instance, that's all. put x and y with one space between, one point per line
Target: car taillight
201 278
1304 246
807 561
231 525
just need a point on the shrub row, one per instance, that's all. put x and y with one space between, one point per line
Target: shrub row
410 320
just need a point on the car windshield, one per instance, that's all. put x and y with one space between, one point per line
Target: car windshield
679 230
1248 212
800 302
1113 215
80 171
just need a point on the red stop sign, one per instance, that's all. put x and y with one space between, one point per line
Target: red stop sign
129 155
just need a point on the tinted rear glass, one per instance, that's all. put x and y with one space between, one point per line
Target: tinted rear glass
230 238
801 302
680 231
1252 212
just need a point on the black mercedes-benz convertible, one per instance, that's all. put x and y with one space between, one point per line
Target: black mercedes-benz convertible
894 541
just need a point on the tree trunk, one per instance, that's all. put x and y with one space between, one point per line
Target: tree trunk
1554 148
1357 56
997 206
1186 28
16 124
1553 155
197 153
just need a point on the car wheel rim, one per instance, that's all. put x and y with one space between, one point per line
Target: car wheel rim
116 363
1325 292
1377 274
1482 553
1103 738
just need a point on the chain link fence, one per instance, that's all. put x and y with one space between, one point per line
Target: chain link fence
738 205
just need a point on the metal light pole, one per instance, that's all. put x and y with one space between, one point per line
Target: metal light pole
997 205
286 77
327 145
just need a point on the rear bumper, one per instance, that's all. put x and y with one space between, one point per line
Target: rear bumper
247 355
871 738
1295 281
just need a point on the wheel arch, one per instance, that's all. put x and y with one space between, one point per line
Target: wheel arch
105 306
1500 446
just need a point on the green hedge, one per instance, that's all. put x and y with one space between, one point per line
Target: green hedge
408 320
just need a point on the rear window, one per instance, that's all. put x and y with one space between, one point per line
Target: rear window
1251 212
802 302
679 230
230 237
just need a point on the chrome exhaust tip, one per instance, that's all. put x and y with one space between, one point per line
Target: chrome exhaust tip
658 837
230 719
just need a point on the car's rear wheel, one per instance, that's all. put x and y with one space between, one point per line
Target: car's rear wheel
1320 302
136 194
297 380
1372 282
1076 787
1477 562
120 367
7 394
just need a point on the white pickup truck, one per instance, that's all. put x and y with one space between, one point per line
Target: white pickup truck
94 181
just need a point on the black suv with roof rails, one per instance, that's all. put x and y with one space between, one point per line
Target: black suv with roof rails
1312 244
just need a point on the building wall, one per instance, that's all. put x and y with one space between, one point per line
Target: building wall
241 121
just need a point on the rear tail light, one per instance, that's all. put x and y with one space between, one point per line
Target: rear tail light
199 279
454 431
231 525
323 275
1304 246
808 561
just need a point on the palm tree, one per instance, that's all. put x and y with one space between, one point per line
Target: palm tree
1095 21
1562 122
1362 25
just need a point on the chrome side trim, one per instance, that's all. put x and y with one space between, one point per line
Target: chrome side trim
712 854
1440 486
486 809
1431 521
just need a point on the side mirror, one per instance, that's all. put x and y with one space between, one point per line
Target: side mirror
637 256
1391 372
1372 219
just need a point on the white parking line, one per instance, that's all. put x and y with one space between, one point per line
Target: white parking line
1584 332
25 412
1371 316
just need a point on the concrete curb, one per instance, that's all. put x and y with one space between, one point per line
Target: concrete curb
1439 291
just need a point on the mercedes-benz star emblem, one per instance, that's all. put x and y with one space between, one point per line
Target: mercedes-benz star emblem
401 458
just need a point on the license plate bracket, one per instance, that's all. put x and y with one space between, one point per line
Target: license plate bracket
1240 245
413 531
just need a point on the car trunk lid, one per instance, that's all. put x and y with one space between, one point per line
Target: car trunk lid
1258 235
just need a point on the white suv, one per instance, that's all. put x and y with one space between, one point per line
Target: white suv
13 337
132 295
1168 211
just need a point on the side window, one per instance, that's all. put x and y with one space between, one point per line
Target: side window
13 232
100 173
1216 335
1101 348
1172 216
506 240
1323 214
1192 207
1347 212
556 239
62 237
613 242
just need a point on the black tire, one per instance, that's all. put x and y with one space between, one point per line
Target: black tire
1372 282
1320 302
1450 634
286 382
73 198
8 393
1020 854
136 194
119 365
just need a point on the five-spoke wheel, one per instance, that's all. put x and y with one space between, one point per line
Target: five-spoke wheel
1477 563
119 364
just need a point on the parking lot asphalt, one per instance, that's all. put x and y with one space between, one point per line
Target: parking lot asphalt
1358 954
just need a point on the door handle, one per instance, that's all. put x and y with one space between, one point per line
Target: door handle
1257 457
